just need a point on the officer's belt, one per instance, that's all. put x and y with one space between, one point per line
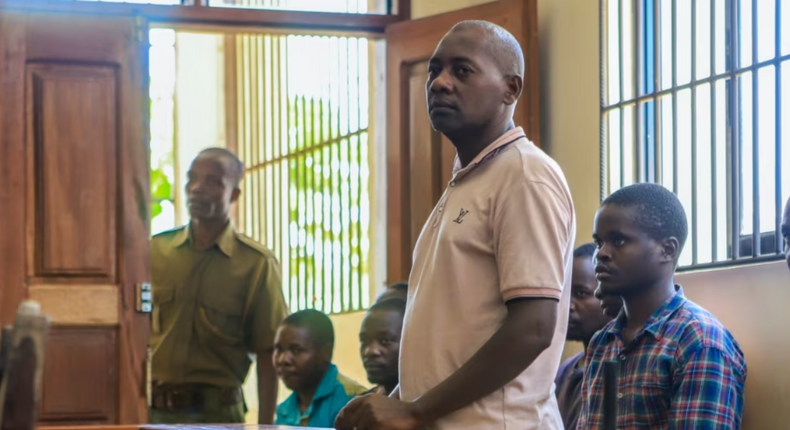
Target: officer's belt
193 397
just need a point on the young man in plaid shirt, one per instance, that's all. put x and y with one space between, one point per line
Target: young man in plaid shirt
678 367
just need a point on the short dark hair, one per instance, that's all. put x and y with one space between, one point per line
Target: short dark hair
587 251
320 327
234 163
399 286
391 304
659 212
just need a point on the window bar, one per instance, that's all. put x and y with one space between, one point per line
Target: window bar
363 68
675 96
318 171
778 242
266 131
656 86
713 158
325 251
301 205
603 126
345 190
641 173
282 166
734 135
315 133
334 113
255 115
244 136
307 209
756 251
336 186
273 134
690 84
622 73
286 175
694 244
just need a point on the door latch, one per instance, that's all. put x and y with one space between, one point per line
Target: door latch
144 297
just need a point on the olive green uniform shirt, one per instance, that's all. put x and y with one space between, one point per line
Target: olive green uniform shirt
212 308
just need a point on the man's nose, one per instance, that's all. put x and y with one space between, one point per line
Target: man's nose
441 83
372 351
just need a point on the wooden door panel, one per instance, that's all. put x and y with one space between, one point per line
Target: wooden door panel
74 216
72 143
419 160
424 150
85 353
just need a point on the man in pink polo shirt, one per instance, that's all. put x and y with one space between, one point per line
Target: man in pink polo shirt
490 284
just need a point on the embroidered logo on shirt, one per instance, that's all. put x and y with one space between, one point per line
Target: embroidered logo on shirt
461 216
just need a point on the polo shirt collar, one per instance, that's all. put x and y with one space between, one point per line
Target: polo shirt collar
226 242
290 407
491 150
656 322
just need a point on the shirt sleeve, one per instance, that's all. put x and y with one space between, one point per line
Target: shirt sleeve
707 393
267 308
532 230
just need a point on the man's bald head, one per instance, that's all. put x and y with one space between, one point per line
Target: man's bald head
503 46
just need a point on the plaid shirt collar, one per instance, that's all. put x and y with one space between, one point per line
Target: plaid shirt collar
655 323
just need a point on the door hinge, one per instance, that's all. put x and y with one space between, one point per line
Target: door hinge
143 297
140 26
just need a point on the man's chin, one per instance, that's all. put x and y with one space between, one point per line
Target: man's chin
444 124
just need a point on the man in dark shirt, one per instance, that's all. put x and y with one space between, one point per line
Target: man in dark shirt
379 340
584 319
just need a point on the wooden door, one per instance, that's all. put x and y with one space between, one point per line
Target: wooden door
419 160
74 204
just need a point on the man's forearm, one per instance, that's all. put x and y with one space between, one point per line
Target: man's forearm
267 389
510 350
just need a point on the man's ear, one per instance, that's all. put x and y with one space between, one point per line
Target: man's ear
234 196
670 250
515 85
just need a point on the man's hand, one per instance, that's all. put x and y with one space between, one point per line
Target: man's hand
376 412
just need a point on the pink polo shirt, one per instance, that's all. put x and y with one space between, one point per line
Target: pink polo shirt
503 229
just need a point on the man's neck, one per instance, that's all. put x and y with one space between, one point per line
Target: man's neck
639 307
389 388
470 145
306 398
206 232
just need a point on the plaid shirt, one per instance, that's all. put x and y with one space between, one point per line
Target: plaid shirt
683 370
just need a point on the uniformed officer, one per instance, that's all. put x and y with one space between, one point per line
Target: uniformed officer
217 298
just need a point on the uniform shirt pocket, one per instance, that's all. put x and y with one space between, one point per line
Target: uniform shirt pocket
221 315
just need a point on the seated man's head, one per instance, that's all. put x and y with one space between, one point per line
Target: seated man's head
303 349
379 341
475 77
399 290
586 316
640 231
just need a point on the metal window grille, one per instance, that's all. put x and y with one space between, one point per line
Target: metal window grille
337 6
302 115
694 94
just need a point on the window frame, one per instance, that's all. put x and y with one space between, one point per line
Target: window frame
646 95
198 14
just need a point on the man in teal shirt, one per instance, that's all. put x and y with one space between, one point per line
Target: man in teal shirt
302 358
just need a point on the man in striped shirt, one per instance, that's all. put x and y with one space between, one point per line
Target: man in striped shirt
678 367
